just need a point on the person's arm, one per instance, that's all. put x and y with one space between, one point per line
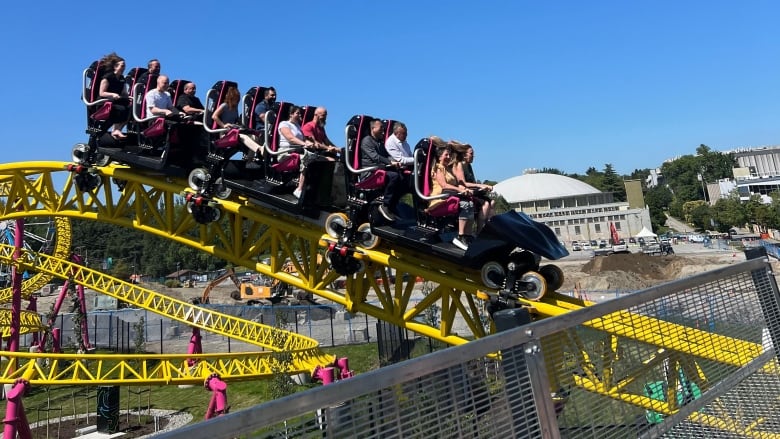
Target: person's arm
368 148
393 147
217 114
308 133
441 178
327 145
285 131
327 141
104 93
187 107
153 108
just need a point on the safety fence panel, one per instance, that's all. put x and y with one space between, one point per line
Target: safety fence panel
693 358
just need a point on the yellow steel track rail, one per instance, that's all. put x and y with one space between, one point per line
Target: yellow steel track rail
301 353
247 235
60 249
29 321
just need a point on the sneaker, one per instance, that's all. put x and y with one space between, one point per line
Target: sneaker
297 193
385 211
460 242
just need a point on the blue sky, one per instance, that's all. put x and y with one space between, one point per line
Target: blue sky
561 84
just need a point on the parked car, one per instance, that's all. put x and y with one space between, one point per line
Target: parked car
575 246
695 238
631 240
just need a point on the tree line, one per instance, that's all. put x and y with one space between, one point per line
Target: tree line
682 193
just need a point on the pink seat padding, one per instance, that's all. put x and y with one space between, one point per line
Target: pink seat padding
445 208
374 181
288 164
229 140
156 129
102 113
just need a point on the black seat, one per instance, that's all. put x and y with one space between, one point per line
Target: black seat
360 180
424 161
308 113
176 89
98 108
249 119
289 164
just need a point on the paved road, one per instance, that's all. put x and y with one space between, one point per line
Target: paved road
678 225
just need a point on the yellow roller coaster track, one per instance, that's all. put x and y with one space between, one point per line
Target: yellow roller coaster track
301 354
248 234
29 321
60 250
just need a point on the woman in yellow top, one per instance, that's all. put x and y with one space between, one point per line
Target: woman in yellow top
444 181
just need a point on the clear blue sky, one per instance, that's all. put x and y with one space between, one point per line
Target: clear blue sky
562 84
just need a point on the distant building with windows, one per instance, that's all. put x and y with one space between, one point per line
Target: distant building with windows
575 210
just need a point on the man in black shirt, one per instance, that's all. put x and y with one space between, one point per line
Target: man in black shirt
373 153
189 103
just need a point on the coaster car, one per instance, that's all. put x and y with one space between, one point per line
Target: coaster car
507 251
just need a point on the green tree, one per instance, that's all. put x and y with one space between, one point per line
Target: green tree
658 200
729 212
612 182
502 205
697 213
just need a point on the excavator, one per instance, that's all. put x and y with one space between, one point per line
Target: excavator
276 293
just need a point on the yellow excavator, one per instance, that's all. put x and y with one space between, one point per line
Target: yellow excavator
277 292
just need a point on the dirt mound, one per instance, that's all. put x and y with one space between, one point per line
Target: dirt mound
644 266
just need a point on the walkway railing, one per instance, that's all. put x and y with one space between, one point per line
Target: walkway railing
690 358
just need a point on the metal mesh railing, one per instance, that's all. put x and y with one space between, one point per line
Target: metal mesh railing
691 358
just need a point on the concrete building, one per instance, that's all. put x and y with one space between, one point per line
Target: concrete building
575 210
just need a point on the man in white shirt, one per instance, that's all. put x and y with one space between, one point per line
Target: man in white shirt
397 147
158 101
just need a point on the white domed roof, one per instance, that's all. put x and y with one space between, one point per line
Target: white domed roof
539 186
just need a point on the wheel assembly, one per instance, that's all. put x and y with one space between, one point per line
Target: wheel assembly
87 181
335 224
493 275
553 275
220 189
198 178
203 213
80 153
366 238
535 286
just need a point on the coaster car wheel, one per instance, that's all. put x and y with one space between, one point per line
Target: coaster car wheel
366 238
536 286
553 275
335 224
220 189
493 275
79 153
198 178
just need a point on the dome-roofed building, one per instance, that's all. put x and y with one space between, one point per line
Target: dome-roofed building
573 209
533 186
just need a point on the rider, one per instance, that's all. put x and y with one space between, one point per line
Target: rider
373 153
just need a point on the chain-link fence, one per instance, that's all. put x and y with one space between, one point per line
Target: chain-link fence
691 358
119 330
